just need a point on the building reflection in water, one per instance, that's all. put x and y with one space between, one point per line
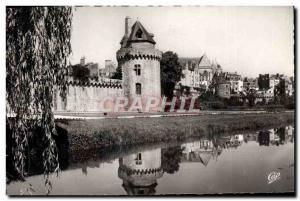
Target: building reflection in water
278 136
140 172
204 150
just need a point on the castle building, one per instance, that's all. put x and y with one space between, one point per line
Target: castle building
140 172
140 62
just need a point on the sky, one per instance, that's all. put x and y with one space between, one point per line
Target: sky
249 40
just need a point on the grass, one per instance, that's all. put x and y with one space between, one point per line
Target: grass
91 134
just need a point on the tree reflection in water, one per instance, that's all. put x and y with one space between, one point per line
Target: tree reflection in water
170 159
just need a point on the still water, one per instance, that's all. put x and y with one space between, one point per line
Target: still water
260 162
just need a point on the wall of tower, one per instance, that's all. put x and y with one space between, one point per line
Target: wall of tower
149 78
148 58
141 169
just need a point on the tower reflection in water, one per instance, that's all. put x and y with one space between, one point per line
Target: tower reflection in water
140 172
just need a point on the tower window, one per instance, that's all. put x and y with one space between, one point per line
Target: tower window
139 33
138 88
137 69
138 160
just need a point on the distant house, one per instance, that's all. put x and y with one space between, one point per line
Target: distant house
250 83
198 71
288 86
274 80
236 83
233 76
109 69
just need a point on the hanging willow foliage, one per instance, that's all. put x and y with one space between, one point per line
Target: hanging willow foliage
37 51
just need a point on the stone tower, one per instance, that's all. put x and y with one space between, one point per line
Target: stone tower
140 63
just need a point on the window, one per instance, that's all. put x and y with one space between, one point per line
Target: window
137 69
138 159
139 33
138 89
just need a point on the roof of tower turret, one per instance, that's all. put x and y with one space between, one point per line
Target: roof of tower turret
138 34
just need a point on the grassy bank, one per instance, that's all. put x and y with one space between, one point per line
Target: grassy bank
90 134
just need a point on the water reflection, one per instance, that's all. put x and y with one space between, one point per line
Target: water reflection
171 158
278 136
147 171
140 172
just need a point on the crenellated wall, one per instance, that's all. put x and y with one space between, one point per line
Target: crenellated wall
87 97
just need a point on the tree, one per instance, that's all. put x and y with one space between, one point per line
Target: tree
80 72
171 72
279 92
118 73
37 50
251 97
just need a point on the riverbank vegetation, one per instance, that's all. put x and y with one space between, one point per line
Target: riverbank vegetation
91 134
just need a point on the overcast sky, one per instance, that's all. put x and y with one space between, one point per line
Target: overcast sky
249 40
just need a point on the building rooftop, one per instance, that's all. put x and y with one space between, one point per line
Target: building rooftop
138 33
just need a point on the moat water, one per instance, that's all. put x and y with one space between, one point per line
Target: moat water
254 162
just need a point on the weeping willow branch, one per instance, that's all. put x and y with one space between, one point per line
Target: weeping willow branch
37 51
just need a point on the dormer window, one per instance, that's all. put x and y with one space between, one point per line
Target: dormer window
139 33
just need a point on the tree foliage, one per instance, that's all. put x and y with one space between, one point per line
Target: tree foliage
171 159
37 50
251 97
118 73
171 72
80 72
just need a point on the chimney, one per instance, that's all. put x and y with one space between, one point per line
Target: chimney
127 26
82 61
